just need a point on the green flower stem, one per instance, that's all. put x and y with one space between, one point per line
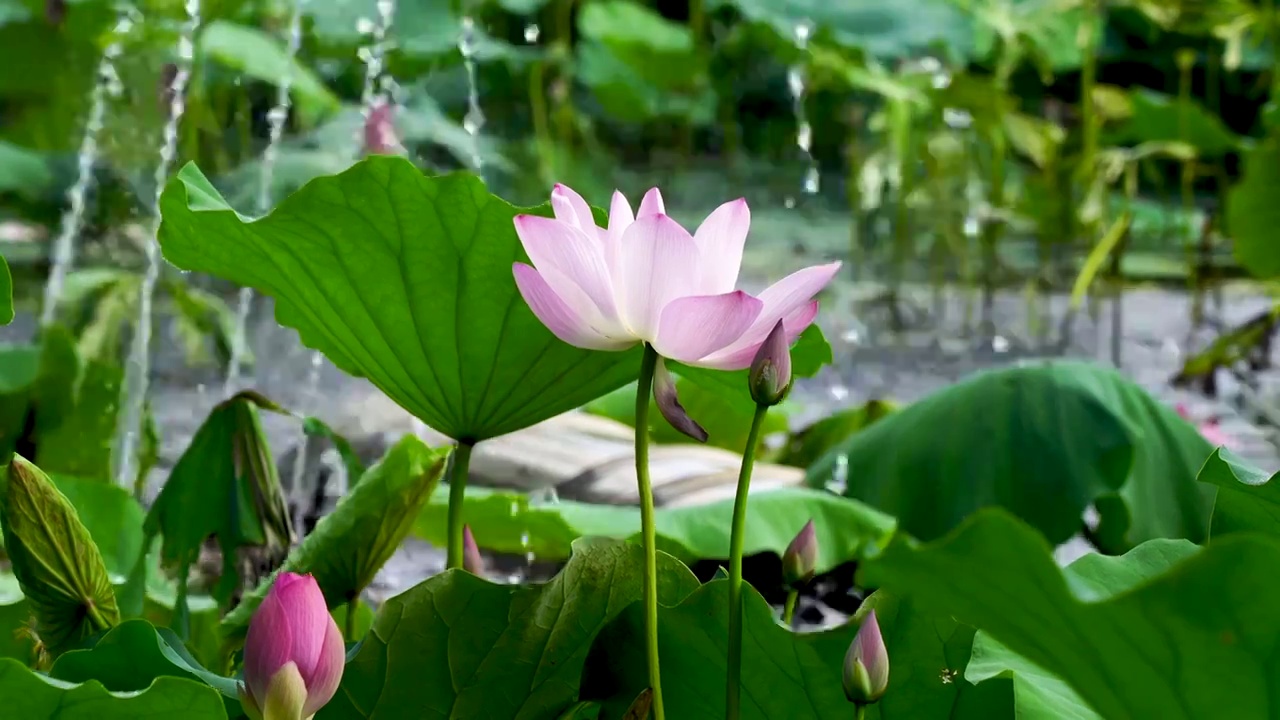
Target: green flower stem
457 493
861 714
733 690
350 630
648 533
789 610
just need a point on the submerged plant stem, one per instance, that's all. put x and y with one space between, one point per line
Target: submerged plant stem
733 689
457 493
789 610
648 533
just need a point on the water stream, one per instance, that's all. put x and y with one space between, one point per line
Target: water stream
106 85
796 82
473 121
277 116
138 370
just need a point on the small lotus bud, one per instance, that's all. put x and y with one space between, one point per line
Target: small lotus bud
770 374
664 392
866 665
471 560
380 136
293 654
801 557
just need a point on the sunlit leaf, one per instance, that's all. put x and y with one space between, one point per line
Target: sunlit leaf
31 696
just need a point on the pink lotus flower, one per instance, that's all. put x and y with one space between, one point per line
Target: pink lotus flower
644 278
293 655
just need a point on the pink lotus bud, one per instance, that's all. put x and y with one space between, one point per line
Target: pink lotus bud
770 375
664 392
801 558
471 560
866 665
380 136
293 654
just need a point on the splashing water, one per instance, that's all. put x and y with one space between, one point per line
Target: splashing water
474 119
839 481
138 370
804 131
64 245
276 118
531 33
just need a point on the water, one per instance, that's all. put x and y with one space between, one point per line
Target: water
839 481
64 245
796 82
297 493
276 118
531 33
138 370
474 119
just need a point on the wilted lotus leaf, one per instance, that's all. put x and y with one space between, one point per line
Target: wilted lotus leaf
352 543
58 566
225 485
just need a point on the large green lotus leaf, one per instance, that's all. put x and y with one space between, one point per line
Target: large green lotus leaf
133 655
32 696
1157 117
1248 498
1253 212
1195 641
350 544
19 365
406 280
458 646
254 53
927 657
508 523
1043 440
1037 692
888 30
785 675
54 558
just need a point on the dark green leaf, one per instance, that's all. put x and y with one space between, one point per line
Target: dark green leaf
808 445
132 655
1193 642
1043 440
77 404
316 428
457 645
1248 499
403 279
15 616
351 544
258 55
57 564
1253 212
6 289
785 675
227 466
508 523
31 696
1157 117
19 365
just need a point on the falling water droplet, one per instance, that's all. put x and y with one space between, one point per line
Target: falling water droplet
277 117
365 26
971 226
64 245
839 393
839 481
1000 344
138 370
531 33
544 496
956 119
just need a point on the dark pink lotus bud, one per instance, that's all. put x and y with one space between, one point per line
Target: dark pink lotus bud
664 392
293 654
770 375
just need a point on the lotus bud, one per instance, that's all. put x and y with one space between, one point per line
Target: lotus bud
471 560
293 654
770 374
801 557
664 392
866 665
380 136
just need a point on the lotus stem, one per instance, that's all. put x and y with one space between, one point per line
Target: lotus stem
457 494
789 610
733 690
353 605
648 533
